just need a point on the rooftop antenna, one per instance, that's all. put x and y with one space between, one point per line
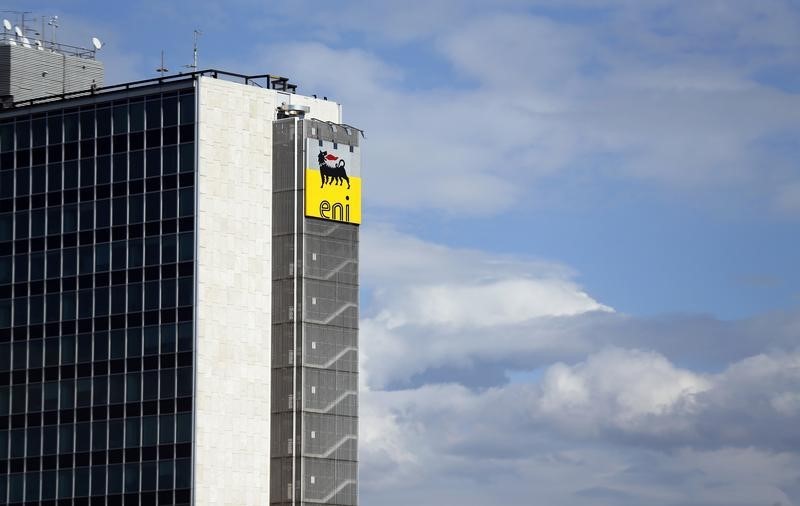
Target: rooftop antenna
23 19
97 44
197 33
162 68
6 27
54 23
20 15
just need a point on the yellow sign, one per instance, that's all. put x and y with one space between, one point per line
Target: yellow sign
332 196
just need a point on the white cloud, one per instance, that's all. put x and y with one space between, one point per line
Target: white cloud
618 387
434 305
507 301
611 419
622 426
531 97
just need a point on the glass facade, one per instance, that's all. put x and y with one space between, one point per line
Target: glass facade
97 204
314 332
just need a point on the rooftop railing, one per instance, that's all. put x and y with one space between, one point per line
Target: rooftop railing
267 81
12 39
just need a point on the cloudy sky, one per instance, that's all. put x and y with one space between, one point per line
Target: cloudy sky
580 241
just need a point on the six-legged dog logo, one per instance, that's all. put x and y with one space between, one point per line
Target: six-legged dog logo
332 170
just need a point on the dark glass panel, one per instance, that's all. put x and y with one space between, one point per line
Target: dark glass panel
153 112
35 352
54 177
23 133
136 116
38 223
115 434
186 157
152 206
32 486
150 340
134 342
103 218
7 137
116 388
34 440
68 306
87 216
23 182
135 256
103 170
187 109
82 481
68 349
70 218
99 433
151 251
102 257
51 348
149 431
49 440
153 162
51 396
137 208
71 127
39 132
6 184
184 381
86 260
186 246
103 122
165 475
87 172
35 397
131 478
70 261
67 394
6 227
115 479
120 118
167 383
150 385
87 124
137 164
54 135
101 343
39 179
120 167
133 391
101 301
98 480
70 174
132 432
66 438
134 297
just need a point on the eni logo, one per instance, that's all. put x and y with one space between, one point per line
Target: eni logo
333 184
332 172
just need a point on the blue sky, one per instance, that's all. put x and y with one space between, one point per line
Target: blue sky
580 219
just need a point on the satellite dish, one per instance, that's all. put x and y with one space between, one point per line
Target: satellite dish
38 45
96 43
7 24
18 31
26 42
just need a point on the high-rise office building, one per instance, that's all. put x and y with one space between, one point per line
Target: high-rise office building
178 295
